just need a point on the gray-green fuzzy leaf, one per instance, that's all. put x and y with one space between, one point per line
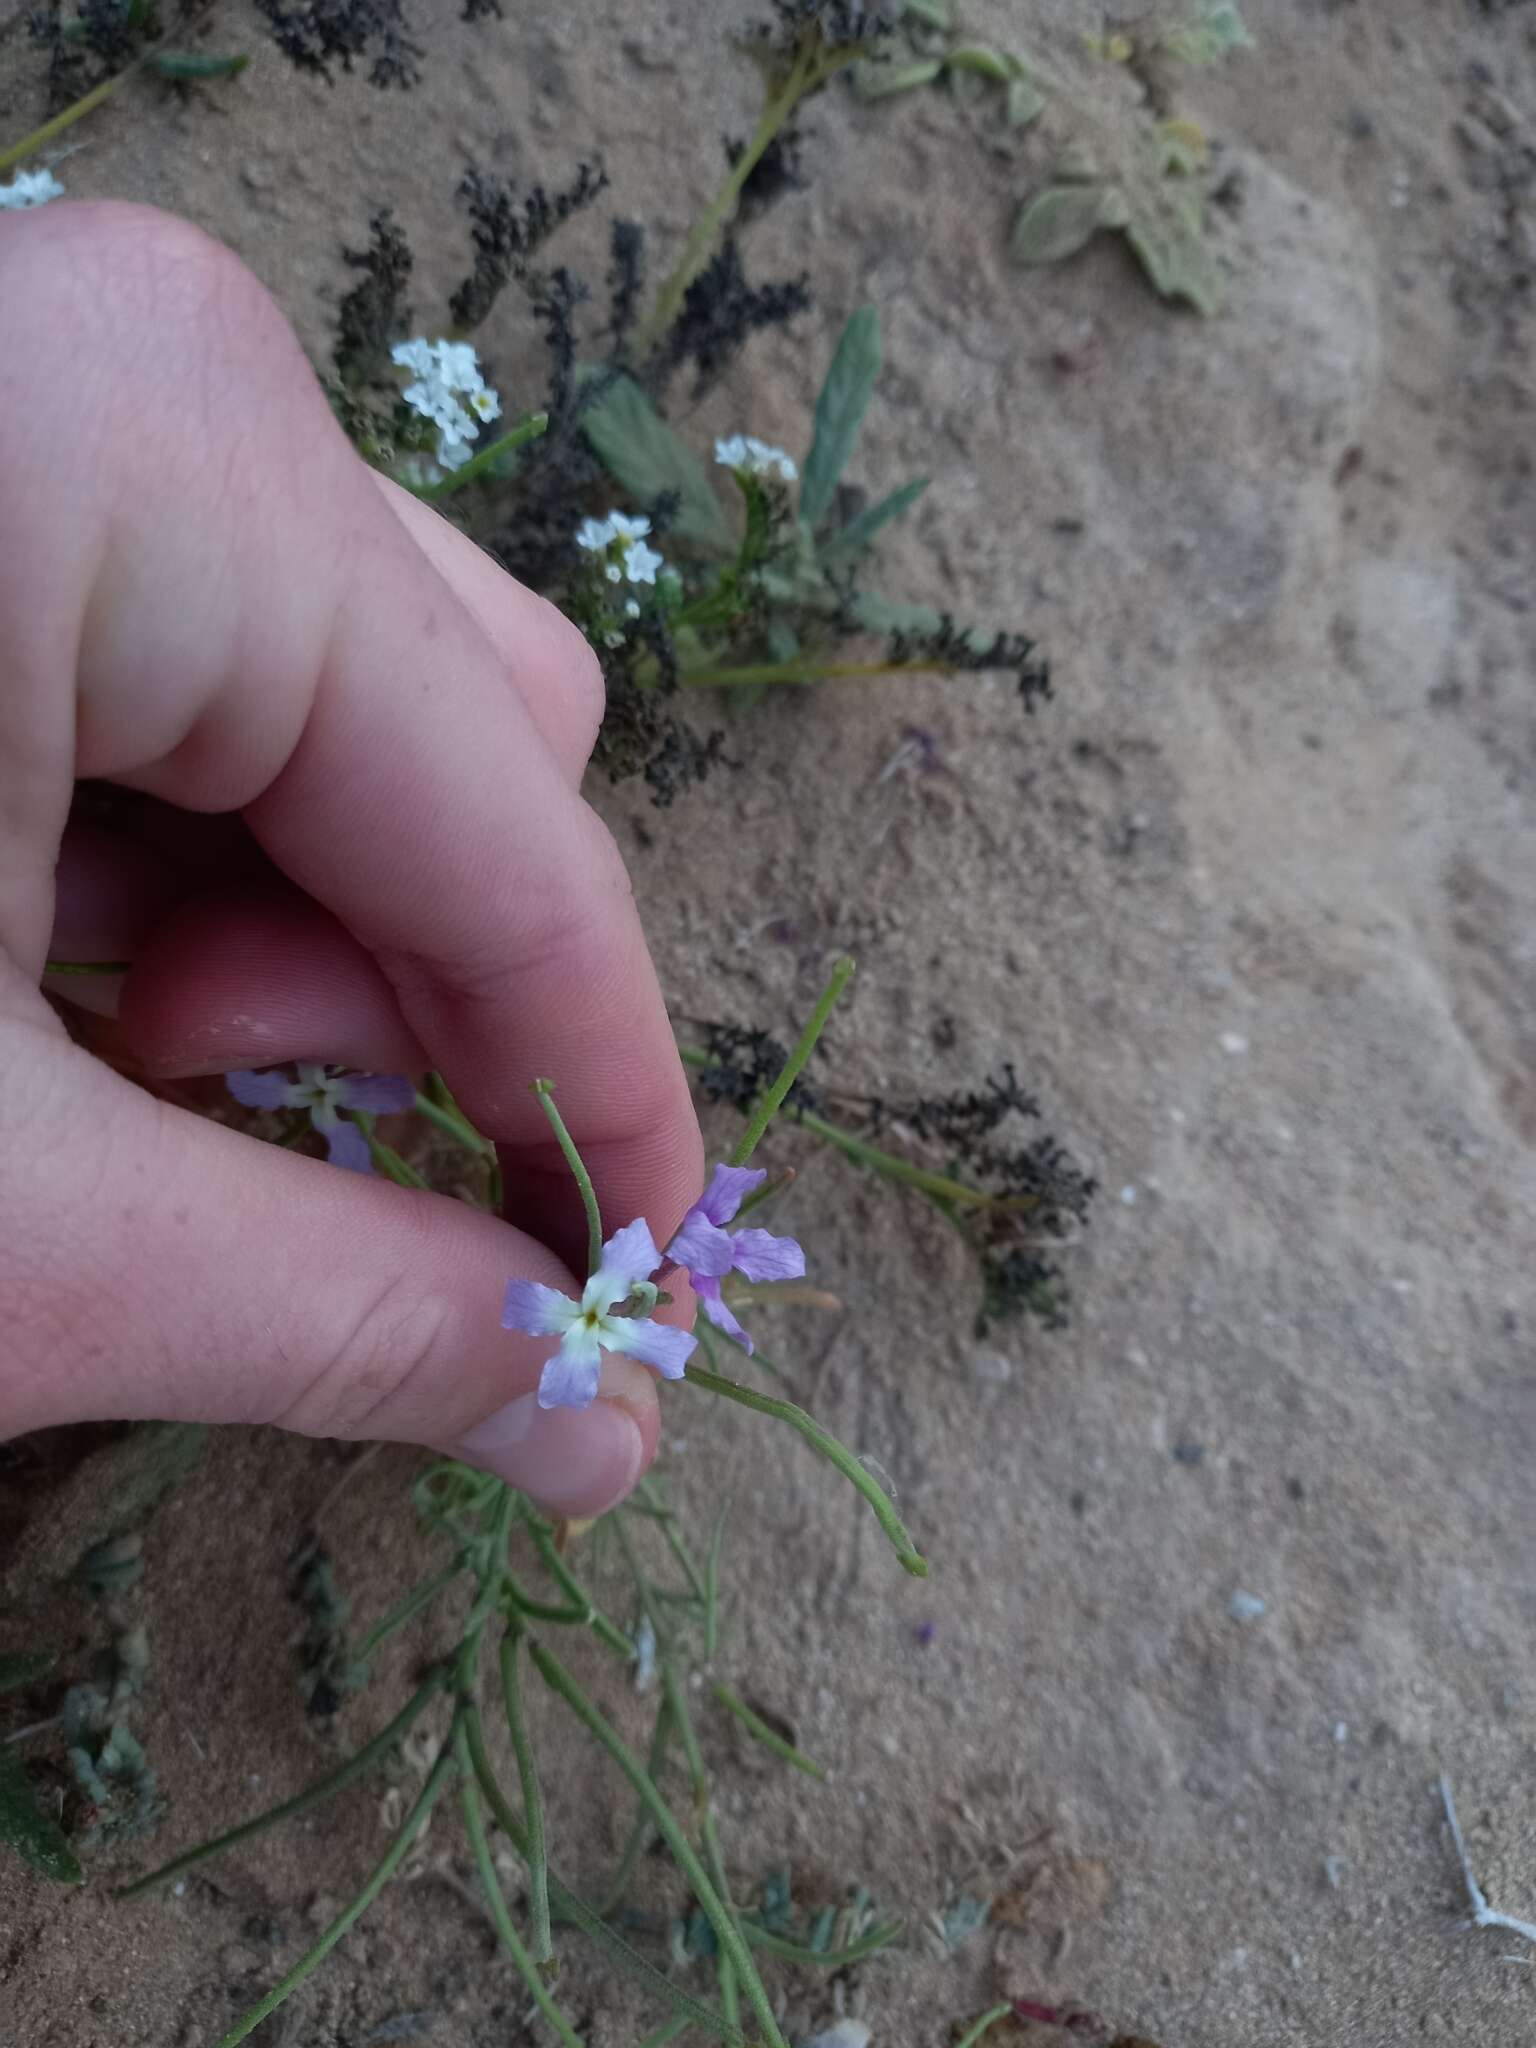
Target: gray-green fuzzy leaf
1058 222
34 1834
642 452
858 533
840 412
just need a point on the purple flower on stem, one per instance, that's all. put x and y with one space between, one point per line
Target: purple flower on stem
325 1095
589 1327
710 1251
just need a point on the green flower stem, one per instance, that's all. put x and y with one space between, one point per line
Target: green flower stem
773 1098
651 1503
669 2030
984 2025
84 966
545 1091
41 137
754 675
457 1126
511 1941
712 1584
643 1828
575 1592
760 1731
385 1157
411 1605
533 1803
528 428
813 65
820 1958
726 1971
937 1184
325 1788
515 1600
727 1934
569 1906
821 1440
350 1914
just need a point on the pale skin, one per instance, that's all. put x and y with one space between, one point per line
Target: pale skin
367 846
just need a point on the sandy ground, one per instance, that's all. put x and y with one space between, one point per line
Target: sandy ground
1254 907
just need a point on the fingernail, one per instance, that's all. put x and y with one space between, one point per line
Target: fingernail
568 1462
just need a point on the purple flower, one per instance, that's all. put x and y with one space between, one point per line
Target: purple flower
588 1327
709 1251
325 1095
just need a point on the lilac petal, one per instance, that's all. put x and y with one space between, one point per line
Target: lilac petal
378 1094
762 1256
656 1344
700 1247
346 1145
271 1090
629 1255
541 1311
728 1188
570 1378
722 1318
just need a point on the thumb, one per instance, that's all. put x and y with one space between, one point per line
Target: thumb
155 1264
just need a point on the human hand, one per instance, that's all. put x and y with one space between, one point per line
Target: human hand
360 744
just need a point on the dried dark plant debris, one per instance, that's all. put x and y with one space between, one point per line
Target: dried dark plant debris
742 1064
375 313
315 34
951 645
778 170
112 32
721 312
507 227
327 1668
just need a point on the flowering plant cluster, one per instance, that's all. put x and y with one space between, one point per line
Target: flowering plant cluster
449 391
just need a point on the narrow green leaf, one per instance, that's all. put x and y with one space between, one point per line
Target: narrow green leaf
649 460
24 1667
1025 102
858 533
840 412
34 1834
191 64
1056 223
878 81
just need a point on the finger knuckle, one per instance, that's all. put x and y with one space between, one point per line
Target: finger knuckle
372 1376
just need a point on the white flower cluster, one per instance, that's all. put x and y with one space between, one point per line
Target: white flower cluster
758 458
30 188
636 562
449 391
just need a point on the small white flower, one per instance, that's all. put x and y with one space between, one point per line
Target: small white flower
30 188
637 562
758 458
641 562
449 391
631 608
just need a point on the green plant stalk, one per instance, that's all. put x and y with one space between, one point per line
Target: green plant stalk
545 1091
804 671
712 1584
669 2030
535 1854
820 1958
454 1124
324 1789
528 428
414 1601
642 1829
511 1941
85 966
385 1157
727 1934
571 1907
760 1731
773 1097
675 1543
937 1184
984 2025
909 1557
571 1586
350 1914
86 104
812 67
